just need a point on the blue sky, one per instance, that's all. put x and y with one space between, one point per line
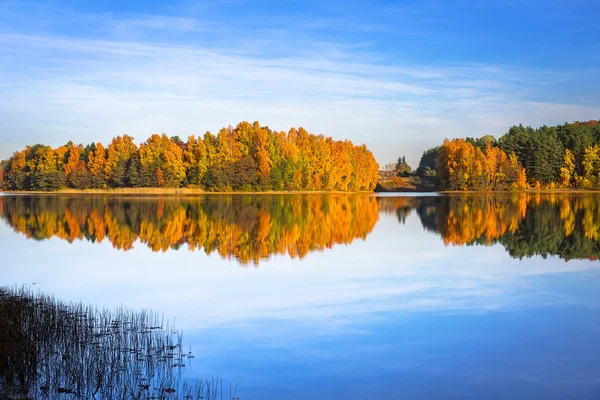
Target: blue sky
398 76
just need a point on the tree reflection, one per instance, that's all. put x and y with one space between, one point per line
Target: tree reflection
252 228
248 228
526 224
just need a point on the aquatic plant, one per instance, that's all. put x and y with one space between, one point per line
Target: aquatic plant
51 349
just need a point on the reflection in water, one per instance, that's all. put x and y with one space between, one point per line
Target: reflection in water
248 228
251 228
49 349
526 224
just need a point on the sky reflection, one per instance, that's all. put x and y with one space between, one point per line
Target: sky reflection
399 314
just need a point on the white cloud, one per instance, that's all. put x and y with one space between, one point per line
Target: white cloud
57 88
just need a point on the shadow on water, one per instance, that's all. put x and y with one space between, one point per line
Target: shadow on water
53 350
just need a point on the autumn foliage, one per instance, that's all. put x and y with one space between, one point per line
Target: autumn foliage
463 166
249 157
564 156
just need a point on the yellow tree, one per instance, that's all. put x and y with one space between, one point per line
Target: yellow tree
516 174
43 160
477 169
19 159
367 169
118 152
341 172
455 164
244 136
15 174
210 144
567 171
195 160
97 160
591 166
159 153
262 151
61 154
228 149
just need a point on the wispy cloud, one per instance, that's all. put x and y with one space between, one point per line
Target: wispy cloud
58 86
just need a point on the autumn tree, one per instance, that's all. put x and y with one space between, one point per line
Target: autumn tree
195 160
161 153
96 164
262 151
118 153
591 167
567 171
72 158
15 173
462 166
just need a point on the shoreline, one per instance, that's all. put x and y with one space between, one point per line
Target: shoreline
541 191
170 191
200 192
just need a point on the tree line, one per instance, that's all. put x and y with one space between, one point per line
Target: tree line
563 156
249 157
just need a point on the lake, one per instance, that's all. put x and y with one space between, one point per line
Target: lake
357 296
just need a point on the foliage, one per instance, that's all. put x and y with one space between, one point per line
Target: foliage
483 142
248 157
80 177
462 166
428 163
561 156
567 171
48 181
591 168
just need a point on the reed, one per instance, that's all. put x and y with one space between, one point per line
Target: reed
51 350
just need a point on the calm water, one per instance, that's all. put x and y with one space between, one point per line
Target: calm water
339 296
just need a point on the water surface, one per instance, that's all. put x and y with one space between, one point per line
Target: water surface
338 296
